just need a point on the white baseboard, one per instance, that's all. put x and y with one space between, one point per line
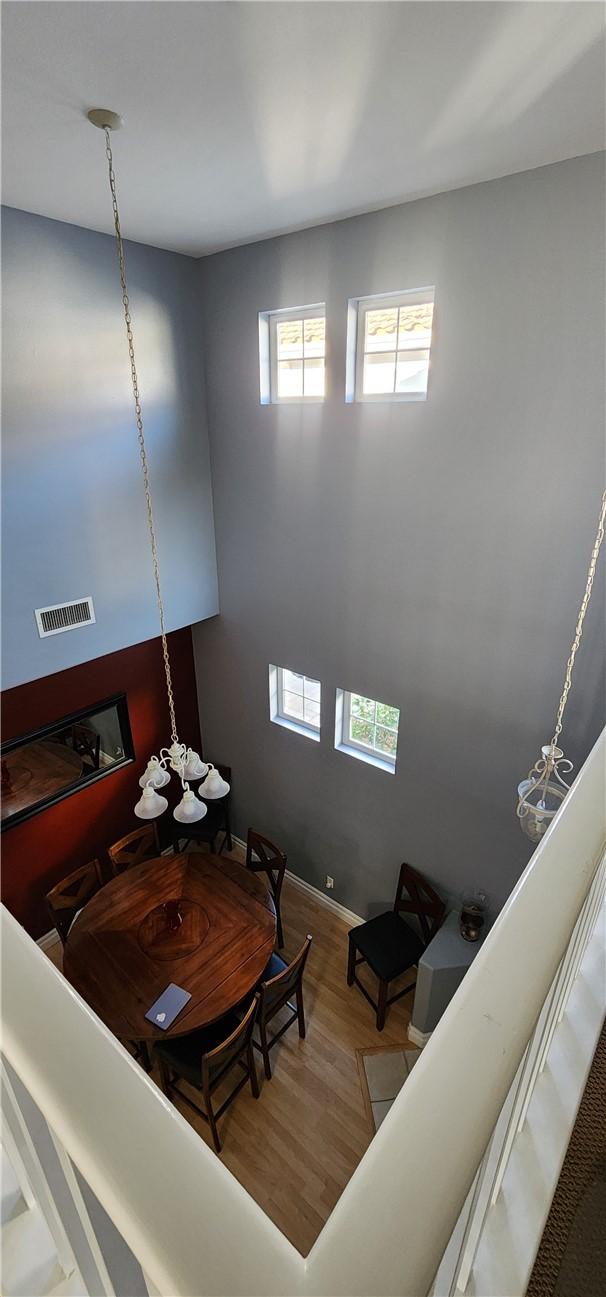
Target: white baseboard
48 939
348 916
417 1037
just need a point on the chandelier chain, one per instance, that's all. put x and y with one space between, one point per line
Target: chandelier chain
579 627
140 433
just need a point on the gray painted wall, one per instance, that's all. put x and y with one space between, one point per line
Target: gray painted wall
431 555
74 518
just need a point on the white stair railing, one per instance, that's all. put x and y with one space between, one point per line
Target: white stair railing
195 1230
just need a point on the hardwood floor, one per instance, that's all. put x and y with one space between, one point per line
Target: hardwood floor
295 1148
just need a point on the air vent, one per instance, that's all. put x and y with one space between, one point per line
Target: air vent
65 616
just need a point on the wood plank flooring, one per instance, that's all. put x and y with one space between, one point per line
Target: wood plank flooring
296 1147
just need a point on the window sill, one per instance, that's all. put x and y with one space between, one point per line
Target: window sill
391 398
388 766
305 730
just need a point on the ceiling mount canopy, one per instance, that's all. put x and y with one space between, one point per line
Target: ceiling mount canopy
105 119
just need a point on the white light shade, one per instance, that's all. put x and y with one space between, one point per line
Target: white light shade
539 802
155 774
151 804
190 808
195 768
214 785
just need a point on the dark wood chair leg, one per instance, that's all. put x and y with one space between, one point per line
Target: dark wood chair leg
265 1051
301 1012
211 1121
382 1005
351 963
164 1077
252 1068
145 1055
280 931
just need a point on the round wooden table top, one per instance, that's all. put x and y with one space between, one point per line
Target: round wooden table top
35 771
121 954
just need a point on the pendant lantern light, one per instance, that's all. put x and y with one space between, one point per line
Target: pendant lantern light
185 762
541 794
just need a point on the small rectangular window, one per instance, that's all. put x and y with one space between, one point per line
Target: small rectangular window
367 729
295 701
292 354
389 355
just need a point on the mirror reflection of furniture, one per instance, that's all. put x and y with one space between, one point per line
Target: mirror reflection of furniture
50 763
280 983
217 820
205 1058
142 844
264 857
68 897
389 945
35 772
87 744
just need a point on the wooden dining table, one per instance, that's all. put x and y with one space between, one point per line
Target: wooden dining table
131 940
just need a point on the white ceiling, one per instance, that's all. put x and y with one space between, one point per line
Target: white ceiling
246 120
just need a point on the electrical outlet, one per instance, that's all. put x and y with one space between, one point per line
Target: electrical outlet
330 882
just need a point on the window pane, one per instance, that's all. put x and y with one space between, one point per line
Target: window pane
386 741
361 731
313 381
389 716
381 329
290 339
379 373
292 681
290 378
292 705
412 371
312 689
364 707
313 336
311 713
415 325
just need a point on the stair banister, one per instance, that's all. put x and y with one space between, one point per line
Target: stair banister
193 1228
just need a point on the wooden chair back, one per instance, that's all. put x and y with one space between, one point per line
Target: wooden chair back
71 894
87 743
219 1060
416 896
141 844
264 857
279 990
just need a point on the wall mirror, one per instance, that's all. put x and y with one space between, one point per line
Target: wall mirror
57 760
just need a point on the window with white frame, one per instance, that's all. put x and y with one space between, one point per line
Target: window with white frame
392 346
367 728
292 354
295 701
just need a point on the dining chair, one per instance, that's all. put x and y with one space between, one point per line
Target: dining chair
68 897
142 844
389 945
204 1058
280 982
217 820
87 743
263 857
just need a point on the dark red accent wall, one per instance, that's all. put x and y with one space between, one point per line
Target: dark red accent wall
43 849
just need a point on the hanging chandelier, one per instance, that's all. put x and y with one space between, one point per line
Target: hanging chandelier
541 794
184 761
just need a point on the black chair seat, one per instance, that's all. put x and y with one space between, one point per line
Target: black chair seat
184 1052
276 965
388 945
